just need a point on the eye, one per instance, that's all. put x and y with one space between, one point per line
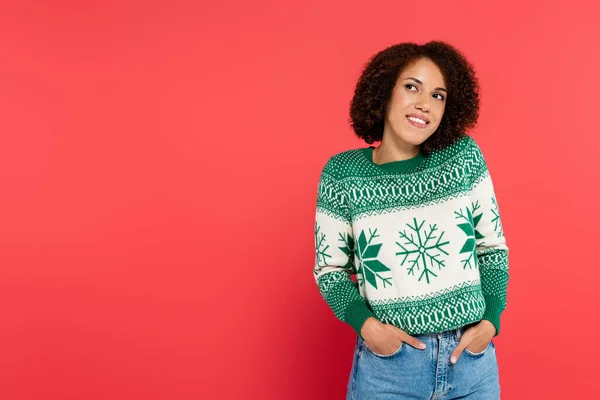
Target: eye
441 96
407 86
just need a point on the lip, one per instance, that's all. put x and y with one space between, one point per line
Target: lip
420 116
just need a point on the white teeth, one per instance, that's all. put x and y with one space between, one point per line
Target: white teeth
420 121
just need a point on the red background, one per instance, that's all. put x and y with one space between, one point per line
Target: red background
158 171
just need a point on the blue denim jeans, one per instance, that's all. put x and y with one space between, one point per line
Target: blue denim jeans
410 373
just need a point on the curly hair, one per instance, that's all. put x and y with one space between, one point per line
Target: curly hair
378 79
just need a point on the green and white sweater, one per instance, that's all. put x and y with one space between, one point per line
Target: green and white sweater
423 237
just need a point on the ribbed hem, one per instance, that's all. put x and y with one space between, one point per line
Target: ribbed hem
356 314
493 309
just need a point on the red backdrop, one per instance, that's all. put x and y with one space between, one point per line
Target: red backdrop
158 171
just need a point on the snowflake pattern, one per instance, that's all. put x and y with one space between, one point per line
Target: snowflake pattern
321 248
424 251
369 268
347 249
496 220
469 227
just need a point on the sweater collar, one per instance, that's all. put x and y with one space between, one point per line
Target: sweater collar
402 166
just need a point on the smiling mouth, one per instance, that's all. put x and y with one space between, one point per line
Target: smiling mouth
418 122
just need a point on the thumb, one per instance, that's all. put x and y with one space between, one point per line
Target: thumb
465 339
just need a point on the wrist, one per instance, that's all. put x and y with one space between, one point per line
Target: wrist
488 327
371 324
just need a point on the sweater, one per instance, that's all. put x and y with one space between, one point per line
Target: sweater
416 243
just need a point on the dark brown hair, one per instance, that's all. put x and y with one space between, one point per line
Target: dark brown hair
376 83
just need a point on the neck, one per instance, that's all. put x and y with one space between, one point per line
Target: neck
389 152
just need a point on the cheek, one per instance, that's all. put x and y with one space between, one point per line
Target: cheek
401 100
396 113
399 117
443 107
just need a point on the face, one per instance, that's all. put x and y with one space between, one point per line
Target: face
417 104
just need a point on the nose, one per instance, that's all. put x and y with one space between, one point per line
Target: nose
423 103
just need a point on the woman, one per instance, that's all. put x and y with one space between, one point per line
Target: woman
415 220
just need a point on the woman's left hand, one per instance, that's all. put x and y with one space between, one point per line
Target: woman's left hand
476 338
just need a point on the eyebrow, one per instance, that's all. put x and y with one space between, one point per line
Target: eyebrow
420 83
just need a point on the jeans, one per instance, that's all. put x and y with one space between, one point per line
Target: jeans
410 373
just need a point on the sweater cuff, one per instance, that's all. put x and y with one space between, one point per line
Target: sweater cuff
356 314
493 309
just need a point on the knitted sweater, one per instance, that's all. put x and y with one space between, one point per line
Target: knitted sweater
421 237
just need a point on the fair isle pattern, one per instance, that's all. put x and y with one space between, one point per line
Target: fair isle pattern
321 247
452 308
494 278
447 175
428 187
347 248
496 220
369 267
353 164
430 298
338 291
331 199
417 245
328 281
469 221
332 205
448 226
495 275
494 259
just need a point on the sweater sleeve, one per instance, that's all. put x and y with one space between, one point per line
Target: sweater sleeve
492 251
334 248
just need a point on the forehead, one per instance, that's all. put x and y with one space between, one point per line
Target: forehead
424 70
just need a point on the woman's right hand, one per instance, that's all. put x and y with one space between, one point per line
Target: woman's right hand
386 339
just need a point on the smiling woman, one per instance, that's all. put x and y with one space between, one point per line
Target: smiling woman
434 75
417 101
416 222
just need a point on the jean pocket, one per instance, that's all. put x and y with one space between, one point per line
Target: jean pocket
384 355
469 352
